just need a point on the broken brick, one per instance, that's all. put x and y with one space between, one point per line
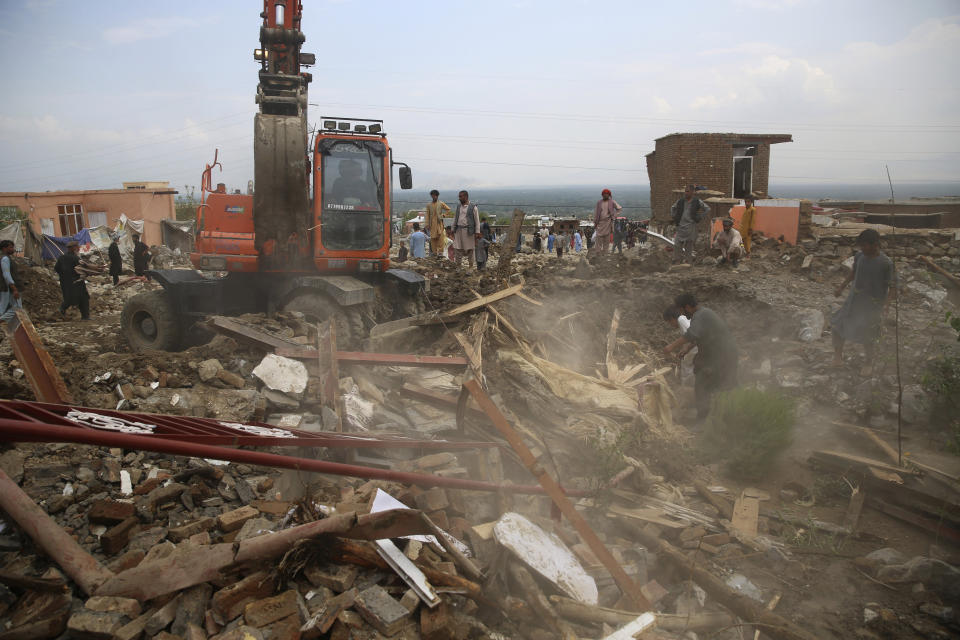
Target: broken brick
179 534
230 378
116 537
384 614
230 601
128 560
437 623
110 512
432 500
235 519
95 625
243 632
162 618
127 606
321 622
339 580
193 605
263 612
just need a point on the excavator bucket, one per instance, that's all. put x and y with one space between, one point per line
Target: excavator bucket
281 202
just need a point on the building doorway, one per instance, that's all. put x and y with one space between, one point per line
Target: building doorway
742 176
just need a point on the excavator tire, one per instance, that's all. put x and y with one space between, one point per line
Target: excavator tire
149 323
320 308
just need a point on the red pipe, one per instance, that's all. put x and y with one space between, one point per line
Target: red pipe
22 430
79 565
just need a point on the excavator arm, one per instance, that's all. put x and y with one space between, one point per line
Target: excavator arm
281 207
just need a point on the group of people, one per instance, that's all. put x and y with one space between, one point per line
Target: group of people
708 350
73 284
469 237
733 244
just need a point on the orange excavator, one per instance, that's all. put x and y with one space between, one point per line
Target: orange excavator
315 233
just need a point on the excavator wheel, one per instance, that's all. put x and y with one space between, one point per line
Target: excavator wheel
320 308
149 323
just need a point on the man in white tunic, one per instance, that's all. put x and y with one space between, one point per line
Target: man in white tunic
466 229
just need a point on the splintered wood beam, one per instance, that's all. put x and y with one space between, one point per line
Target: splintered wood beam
438 399
509 246
362 357
626 584
37 364
249 335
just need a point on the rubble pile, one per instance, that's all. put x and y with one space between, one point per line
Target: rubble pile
163 257
559 368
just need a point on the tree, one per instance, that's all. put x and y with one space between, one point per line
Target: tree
186 204
12 214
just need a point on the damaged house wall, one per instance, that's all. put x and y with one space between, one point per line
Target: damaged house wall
707 160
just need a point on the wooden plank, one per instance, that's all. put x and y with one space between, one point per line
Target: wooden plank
852 517
949 276
509 246
770 607
653 516
475 364
836 457
36 362
329 370
612 345
720 503
934 526
626 584
438 399
249 335
363 357
870 433
746 514
524 296
476 304
629 631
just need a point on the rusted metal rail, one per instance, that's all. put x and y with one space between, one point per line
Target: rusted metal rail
25 429
206 430
37 364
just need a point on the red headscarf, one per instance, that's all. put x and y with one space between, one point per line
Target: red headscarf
605 192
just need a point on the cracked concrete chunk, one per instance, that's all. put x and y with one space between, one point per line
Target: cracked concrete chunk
282 374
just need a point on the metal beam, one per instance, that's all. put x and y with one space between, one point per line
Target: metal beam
208 431
28 431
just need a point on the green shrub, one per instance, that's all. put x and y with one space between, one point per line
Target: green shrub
942 380
748 428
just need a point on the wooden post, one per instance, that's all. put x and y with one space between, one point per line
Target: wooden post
626 584
509 245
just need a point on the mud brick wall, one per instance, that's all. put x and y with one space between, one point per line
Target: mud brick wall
705 159
943 247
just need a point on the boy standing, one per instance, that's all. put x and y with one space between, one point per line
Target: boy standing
418 242
859 319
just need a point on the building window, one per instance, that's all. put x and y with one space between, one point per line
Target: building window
71 219
97 218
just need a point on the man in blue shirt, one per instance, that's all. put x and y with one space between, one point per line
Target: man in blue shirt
418 242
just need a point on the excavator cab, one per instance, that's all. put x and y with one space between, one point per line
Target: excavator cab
351 195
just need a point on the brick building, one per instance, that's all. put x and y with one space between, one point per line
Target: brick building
735 164
64 213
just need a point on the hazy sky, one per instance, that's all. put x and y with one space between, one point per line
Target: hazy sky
492 93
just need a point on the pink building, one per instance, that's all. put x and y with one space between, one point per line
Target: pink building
64 213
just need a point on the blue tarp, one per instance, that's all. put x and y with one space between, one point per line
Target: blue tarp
54 246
